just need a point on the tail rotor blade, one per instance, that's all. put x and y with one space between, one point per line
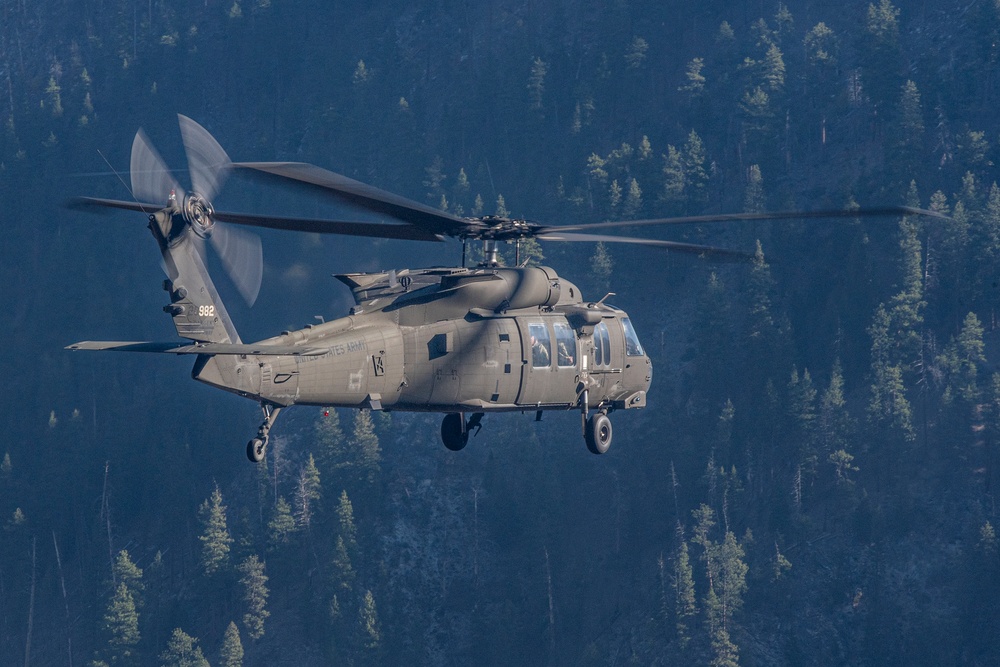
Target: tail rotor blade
242 257
151 180
207 160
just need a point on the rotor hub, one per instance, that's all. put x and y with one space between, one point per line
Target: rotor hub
197 211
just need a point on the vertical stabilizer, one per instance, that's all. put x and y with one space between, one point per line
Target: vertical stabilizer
195 306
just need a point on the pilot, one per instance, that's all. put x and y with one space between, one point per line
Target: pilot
564 356
539 353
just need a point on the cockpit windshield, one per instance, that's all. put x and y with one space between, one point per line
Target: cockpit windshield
632 347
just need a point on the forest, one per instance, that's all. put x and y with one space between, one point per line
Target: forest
811 482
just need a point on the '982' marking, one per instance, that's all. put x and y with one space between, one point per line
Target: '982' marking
206 311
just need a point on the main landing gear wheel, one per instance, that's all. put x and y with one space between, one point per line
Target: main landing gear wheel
257 446
256 449
598 433
454 435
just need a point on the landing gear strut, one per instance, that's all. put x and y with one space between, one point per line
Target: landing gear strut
257 446
455 430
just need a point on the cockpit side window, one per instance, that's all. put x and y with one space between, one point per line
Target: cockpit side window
541 345
632 346
565 345
602 345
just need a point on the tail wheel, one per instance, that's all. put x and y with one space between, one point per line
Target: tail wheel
454 435
598 434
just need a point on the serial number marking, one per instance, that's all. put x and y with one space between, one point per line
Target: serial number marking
206 311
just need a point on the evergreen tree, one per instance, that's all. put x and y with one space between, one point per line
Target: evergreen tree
695 80
121 624
366 450
536 83
329 444
695 176
345 518
888 409
774 70
636 54
633 201
906 314
215 538
255 593
182 651
821 47
343 571
601 266
128 573
369 629
307 494
231 653
834 423
753 194
282 524
674 180
682 581
881 52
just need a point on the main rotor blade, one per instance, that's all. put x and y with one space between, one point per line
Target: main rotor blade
93 203
728 217
207 161
364 196
151 180
242 257
711 252
369 229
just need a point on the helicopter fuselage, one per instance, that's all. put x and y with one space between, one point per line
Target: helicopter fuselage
453 340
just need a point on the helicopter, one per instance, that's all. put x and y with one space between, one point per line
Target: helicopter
465 341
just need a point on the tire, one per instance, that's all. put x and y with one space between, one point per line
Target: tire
256 449
599 433
453 432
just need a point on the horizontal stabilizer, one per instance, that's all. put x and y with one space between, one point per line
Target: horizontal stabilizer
197 348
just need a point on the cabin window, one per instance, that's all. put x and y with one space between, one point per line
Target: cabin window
602 345
565 345
632 347
541 346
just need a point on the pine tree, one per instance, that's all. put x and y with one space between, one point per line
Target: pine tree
366 450
307 495
732 573
695 85
282 524
231 653
674 180
888 409
345 518
907 307
182 651
121 624
602 266
695 176
536 83
774 69
369 629
821 47
682 581
614 196
753 193
834 423
329 444
128 573
255 593
343 571
215 538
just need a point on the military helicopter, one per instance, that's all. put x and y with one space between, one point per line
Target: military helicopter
464 341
